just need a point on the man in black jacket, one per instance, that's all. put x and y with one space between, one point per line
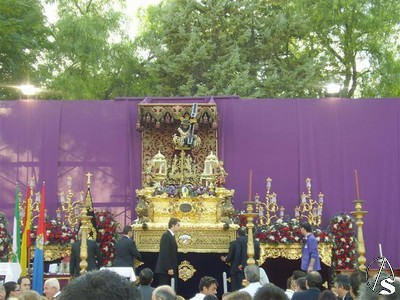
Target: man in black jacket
94 257
313 282
125 249
167 261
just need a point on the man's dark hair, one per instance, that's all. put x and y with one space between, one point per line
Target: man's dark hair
270 291
356 278
314 279
127 229
100 285
302 283
343 280
306 226
327 295
207 281
173 221
146 276
19 281
9 287
298 273
289 282
241 231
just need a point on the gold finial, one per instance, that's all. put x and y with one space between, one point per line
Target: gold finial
88 175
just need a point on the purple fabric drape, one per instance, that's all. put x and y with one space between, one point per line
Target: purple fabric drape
287 140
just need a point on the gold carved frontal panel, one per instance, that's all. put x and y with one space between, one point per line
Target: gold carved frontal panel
197 238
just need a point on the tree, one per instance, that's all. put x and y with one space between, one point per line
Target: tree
246 47
91 58
23 35
352 33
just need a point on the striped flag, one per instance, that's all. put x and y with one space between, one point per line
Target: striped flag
38 261
26 235
16 229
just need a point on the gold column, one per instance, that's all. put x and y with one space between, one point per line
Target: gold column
359 214
250 225
85 219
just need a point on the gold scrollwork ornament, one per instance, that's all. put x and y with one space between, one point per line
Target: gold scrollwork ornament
186 270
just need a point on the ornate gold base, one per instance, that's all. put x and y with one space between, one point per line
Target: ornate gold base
293 251
197 238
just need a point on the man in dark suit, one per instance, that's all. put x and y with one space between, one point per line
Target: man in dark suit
145 280
313 282
341 287
234 259
241 253
125 249
167 261
94 256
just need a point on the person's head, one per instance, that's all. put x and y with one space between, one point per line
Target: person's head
127 230
305 228
163 292
239 295
210 297
174 224
146 276
313 279
298 273
2 292
252 273
241 231
341 285
51 287
301 284
100 285
356 278
289 283
12 289
269 291
327 295
30 295
25 283
208 285
225 295
366 292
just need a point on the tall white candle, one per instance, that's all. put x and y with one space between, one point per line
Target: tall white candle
380 250
225 282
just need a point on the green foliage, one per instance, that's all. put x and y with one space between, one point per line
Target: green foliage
23 36
251 48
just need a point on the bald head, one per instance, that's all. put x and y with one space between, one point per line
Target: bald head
163 292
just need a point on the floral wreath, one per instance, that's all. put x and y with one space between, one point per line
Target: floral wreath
56 233
288 232
106 234
5 238
344 248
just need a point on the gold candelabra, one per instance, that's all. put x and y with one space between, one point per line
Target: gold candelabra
33 206
250 215
84 232
359 214
70 208
268 210
310 209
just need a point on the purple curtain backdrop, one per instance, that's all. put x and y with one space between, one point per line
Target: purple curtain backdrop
287 140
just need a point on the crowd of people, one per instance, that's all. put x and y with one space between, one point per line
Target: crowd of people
303 284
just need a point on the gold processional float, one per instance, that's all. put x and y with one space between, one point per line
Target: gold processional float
182 182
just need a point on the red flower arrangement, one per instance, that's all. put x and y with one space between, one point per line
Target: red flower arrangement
286 232
344 249
106 234
5 238
56 233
